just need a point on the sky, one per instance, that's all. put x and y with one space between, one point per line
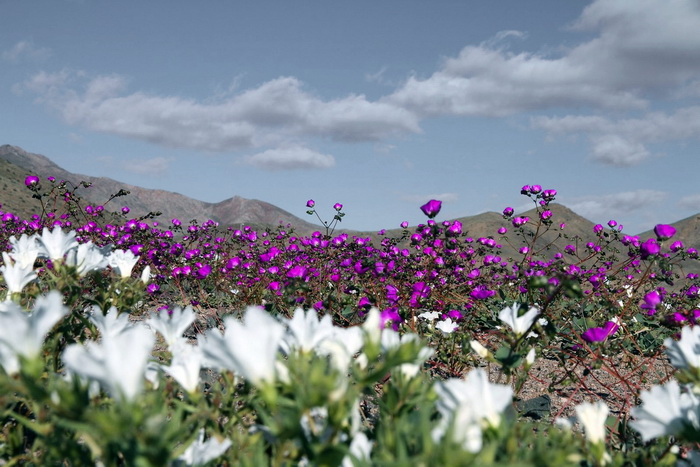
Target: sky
378 105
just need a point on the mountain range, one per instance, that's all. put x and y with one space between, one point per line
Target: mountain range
16 164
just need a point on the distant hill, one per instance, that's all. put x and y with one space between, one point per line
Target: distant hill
16 164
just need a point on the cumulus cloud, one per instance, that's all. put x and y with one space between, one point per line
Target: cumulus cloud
25 49
615 204
631 56
273 112
641 47
622 142
290 157
153 166
691 202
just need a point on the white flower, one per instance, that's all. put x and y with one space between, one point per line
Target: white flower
360 449
200 452
373 326
665 411
447 326
306 331
123 261
468 404
685 353
341 348
530 357
248 348
87 257
593 417
22 333
172 325
146 275
117 362
25 250
16 275
111 323
480 350
519 324
392 340
55 244
429 315
186 365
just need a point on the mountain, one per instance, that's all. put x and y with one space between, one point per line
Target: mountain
16 164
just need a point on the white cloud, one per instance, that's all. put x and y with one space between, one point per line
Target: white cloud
622 142
691 202
618 151
153 166
25 49
634 55
266 115
289 158
615 204
642 48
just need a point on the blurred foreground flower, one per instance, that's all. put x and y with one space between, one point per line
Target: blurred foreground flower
685 353
54 244
200 452
247 348
117 362
468 405
665 410
22 334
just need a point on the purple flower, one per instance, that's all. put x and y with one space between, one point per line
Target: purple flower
125 210
431 208
502 230
548 195
664 231
390 314
651 300
404 224
337 206
535 189
649 248
297 272
455 229
612 223
520 221
598 228
31 181
600 334
480 292
203 271
454 314
310 203
392 294
676 246
545 215
525 190
364 303
507 212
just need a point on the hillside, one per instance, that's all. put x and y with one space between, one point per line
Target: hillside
236 211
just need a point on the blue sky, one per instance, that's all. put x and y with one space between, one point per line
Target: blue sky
380 106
